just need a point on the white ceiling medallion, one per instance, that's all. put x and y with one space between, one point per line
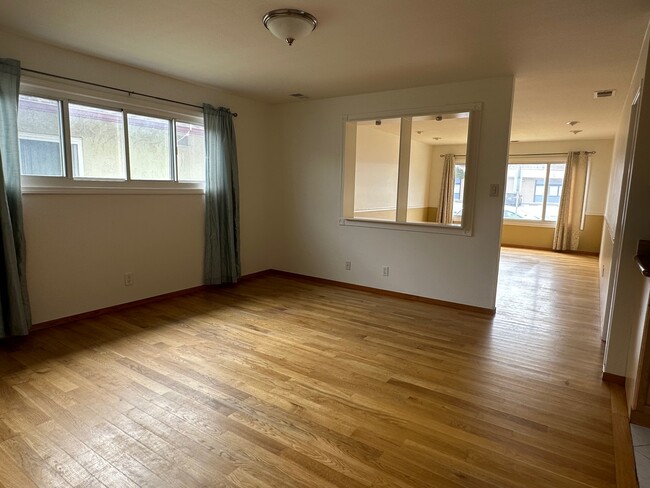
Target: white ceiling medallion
289 24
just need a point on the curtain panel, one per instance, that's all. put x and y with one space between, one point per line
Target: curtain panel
572 202
221 259
15 313
446 203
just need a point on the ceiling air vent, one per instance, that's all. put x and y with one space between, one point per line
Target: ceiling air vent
604 93
299 96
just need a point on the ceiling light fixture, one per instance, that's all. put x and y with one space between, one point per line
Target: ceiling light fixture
576 131
289 24
573 122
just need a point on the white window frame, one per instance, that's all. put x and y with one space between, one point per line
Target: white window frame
471 169
532 222
110 101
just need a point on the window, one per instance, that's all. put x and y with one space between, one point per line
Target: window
100 133
149 148
190 151
78 141
394 168
533 191
40 136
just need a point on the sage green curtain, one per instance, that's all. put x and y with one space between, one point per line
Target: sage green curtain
572 202
222 262
15 314
446 203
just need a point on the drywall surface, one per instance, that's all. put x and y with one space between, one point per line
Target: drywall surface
455 268
79 246
630 223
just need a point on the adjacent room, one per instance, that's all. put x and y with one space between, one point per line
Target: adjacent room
324 244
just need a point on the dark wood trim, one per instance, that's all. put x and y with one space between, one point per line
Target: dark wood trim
639 417
613 378
623 450
257 274
114 308
520 246
581 253
164 296
388 293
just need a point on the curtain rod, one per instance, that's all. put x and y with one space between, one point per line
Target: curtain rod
128 92
528 154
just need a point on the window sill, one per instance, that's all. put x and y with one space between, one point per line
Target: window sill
65 186
408 226
529 223
110 191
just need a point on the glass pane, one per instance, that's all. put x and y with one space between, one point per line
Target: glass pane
431 137
97 137
39 137
376 169
149 148
190 152
524 197
555 182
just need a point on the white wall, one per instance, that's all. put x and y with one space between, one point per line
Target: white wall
629 225
79 246
419 174
376 169
311 241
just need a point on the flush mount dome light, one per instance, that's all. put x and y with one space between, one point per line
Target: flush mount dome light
289 24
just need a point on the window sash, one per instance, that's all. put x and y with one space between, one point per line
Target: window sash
543 198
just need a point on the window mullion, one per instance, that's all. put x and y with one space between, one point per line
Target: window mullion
127 156
403 169
548 181
67 139
173 150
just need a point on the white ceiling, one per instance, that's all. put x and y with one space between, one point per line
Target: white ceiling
451 129
560 51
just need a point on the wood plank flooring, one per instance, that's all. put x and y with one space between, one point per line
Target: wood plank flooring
278 382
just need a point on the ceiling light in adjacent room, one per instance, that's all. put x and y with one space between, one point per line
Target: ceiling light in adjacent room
289 24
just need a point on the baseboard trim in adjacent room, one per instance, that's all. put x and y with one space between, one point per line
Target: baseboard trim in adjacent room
114 308
613 378
536 248
388 293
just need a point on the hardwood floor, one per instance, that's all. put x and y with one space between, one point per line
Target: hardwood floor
287 383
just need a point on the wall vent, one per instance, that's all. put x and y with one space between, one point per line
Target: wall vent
299 96
604 93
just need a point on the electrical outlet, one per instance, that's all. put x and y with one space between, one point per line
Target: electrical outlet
128 278
494 190
386 271
348 265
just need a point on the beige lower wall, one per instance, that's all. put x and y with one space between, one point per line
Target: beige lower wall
542 237
413 214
